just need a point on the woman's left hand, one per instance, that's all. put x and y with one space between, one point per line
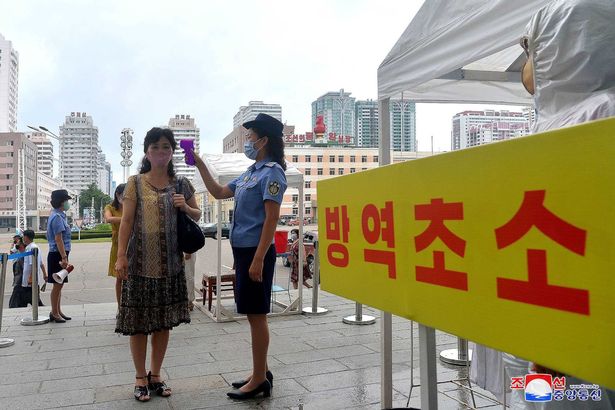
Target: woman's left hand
179 202
256 270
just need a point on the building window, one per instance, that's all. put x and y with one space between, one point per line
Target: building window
353 158
295 158
319 158
331 158
319 171
295 211
295 197
364 169
308 158
340 171
308 211
352 170
308 171
332 171
376 158
308 184
364 158
340 158
308 197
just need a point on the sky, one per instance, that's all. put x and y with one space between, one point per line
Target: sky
135 64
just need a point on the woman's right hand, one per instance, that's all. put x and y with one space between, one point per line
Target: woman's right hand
121 267
197 158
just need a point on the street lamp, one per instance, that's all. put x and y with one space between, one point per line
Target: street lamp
126 145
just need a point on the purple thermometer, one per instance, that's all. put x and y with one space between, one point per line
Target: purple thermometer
188 147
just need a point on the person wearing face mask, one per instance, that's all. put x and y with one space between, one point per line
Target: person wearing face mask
258 193
113 215
294 267
58 238
570 72
149 262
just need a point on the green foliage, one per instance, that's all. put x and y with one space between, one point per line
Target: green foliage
100 200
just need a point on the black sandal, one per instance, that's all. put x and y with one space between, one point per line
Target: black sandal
160 388
141 391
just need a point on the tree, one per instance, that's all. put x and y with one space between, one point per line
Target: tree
100 200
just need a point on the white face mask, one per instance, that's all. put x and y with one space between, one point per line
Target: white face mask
293 236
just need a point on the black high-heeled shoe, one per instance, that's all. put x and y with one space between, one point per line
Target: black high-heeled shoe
52 318
264 387
65 317
242 383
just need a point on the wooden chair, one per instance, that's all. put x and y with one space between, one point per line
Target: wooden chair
227 282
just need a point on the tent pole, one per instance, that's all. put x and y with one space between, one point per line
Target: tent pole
386 319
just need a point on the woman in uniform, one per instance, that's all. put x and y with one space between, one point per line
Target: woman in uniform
258 194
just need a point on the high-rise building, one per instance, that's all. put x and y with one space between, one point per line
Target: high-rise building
338 111
249 112
471 128
184 128
45 152
403 125
9 85
105 174
78 152
367 123
530 115
11 144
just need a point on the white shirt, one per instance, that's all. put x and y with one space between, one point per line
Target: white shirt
27 267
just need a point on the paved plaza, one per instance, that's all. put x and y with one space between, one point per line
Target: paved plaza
318 362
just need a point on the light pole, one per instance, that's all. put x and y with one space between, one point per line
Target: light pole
126 145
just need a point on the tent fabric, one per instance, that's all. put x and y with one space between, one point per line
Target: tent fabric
465 52
572 44
226 167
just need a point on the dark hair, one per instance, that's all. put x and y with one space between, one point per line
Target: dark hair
55 204
29 233
119 190
152 137
274 147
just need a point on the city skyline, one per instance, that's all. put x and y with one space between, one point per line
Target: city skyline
123 75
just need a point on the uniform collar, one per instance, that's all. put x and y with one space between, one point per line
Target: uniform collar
260 164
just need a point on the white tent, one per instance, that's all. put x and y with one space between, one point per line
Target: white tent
457 52
224 168
460 51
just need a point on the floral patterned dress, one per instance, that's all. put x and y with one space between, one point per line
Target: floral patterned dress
154 297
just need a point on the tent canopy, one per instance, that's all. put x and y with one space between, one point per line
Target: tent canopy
466 51
226 167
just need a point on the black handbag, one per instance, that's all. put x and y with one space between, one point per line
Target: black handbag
190 237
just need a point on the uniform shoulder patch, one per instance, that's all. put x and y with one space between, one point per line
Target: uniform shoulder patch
270 164
274 188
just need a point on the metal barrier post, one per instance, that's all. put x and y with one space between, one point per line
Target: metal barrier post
315 310
4 341
26 321
458 357
359 318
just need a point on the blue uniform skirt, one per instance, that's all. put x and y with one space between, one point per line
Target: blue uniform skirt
253 297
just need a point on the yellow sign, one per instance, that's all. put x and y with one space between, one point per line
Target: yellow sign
511 245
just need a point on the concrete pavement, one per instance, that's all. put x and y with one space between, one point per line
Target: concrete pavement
318 362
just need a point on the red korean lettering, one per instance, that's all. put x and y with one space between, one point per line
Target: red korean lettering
517 383
379 224
559 383
536 290
437 211
337 229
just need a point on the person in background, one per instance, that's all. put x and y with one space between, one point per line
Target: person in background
294 267
26 282
16 239
258 194
17 296
190 261
113 215
154 296
58 237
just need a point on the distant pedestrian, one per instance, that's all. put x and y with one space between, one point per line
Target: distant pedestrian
58 237
113 216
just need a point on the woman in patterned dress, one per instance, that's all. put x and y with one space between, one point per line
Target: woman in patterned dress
113 216
154 297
